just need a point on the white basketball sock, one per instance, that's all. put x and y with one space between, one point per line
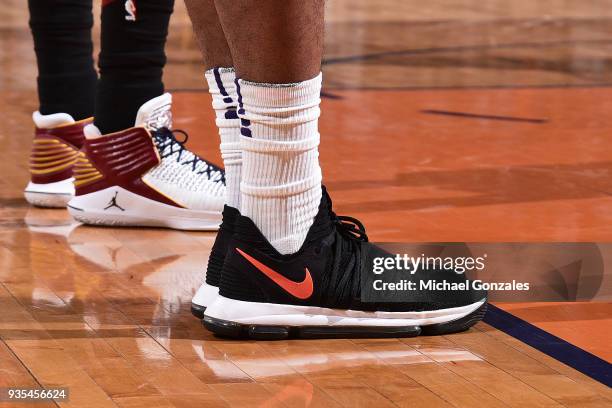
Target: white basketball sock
222 86
281 178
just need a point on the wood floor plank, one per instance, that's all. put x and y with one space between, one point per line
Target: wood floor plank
550 362
450 386
14 374
105 311
529 370
247 394
50 363
325 365
203 359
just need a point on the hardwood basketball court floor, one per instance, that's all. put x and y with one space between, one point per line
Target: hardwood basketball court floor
455 121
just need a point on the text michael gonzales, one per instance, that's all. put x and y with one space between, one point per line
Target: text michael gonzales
459 265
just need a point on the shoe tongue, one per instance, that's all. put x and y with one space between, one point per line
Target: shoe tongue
156 113
91 131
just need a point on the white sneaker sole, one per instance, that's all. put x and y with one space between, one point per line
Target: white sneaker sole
116 206
50 195
205 296
266 321
272 314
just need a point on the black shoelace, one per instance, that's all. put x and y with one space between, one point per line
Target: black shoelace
348 260
349 227
168 144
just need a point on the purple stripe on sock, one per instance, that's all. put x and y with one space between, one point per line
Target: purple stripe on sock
220 84
245 123
231 113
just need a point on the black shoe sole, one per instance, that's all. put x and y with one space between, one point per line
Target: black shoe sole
224 328
197 310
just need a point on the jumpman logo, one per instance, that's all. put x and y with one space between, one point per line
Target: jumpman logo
113 203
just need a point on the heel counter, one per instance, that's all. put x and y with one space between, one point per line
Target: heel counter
54 152
215 266
51 159
222 243
71 134
85 173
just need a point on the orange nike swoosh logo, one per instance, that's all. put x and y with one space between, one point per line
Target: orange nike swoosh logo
301 290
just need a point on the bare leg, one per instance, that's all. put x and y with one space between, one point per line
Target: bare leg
209 33
276 47
274 41
221 79
271 42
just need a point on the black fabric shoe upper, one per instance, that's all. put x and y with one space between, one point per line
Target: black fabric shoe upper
219 248
333 257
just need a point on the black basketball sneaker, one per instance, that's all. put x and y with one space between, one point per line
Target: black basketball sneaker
210 288
316 292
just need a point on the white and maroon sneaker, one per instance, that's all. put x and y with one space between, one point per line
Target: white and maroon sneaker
57 140
144 176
